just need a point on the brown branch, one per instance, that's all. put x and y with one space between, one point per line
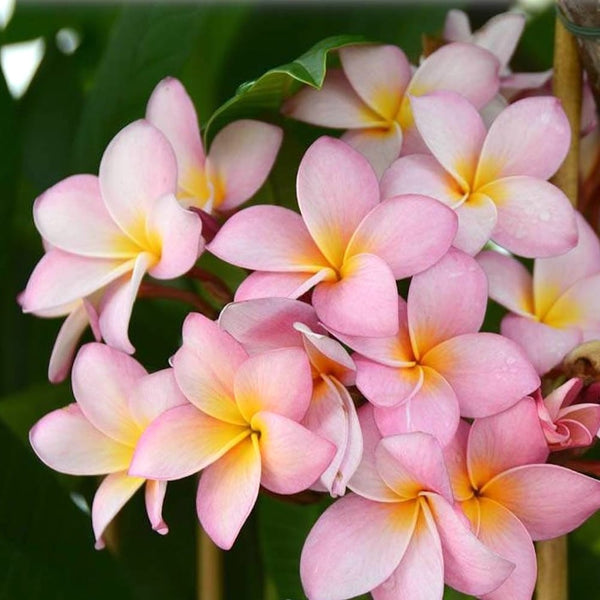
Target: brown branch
212 283
150 289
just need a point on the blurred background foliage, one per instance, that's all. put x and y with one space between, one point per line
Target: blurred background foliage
82 93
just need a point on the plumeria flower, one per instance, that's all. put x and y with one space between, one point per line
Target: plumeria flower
438 367
494 180
271 323
239 160
369 95
116 400
567 423
242 429
398 535
512 499
103 234
346 244
557 308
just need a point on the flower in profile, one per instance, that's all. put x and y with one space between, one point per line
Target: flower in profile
103 234
242 428
369 95
115 401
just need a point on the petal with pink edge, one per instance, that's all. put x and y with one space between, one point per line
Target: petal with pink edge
336 188
455 457
487 372
267 238
241 156
379 74
336 104
510 283
281 442
469 566
398 230
182 441
67 442
102 380
544 346
477 218
374 536
137 168
114 492
530 137
503 533
227 492
436 311
500 35
511 438
535 219
363 302
279 285
154 497
453 131
549 500
71 215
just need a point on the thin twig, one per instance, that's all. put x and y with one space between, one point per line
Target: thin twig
150 289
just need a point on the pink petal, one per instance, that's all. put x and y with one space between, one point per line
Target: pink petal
60 278
510 283
433 409
530 137
114 492
535 219
179 233
71 216
117 304
363 302
278 285
242 155
374 537
563 396
455 457
457 27
469 566
436 311
267 238
503 533
171 110
379 74
420 573
183 441
379 146
281 442
277 381
267 323
549 500
487 372
453 131
477 218
411 463
67 442
137 168
544 346
399 231
227 492
500 35
511 438
578 306
336 104
155 495
103 378
336 188
206 376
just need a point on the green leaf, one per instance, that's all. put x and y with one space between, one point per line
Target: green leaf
268 91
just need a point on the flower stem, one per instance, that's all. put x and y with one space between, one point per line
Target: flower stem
150 289
213 283
210 568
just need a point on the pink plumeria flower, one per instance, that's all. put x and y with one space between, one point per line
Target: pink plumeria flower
557 308
398 535
271 323
105 233
369 95
494 180
346 244
97 435
242 429
438 367
509 497
239 160
567 423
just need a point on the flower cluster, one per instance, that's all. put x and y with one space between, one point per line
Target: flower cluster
432 436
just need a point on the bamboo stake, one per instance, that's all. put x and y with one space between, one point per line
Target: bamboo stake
210 568
552 583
